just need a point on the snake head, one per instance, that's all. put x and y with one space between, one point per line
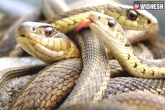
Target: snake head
136 19
44 42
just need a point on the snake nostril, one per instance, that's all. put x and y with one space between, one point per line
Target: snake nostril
148 21
22 35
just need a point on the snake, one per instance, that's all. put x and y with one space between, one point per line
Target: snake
48 31
123 51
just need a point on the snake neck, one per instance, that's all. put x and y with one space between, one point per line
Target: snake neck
95 75
135 65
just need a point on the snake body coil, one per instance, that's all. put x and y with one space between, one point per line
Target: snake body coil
94 57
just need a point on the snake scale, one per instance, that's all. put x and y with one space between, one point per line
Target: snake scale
63 24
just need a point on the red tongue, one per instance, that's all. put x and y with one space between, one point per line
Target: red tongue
82 24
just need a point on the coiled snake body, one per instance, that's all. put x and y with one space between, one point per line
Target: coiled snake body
38 40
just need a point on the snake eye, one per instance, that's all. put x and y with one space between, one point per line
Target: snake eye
132 15
49 31
111 23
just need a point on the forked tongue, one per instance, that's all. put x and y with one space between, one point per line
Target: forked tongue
82 24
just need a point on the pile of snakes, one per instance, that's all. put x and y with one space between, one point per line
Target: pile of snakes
97 57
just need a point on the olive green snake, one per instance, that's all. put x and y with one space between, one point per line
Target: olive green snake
146 23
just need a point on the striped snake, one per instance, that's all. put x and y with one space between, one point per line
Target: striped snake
122 50
44 42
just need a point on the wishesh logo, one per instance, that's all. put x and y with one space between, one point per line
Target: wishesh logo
148 5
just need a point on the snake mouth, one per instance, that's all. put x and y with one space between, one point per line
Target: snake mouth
82 24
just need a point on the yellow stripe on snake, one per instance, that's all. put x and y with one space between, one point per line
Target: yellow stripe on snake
39 39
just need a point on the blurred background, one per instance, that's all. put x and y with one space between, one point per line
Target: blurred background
18 8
